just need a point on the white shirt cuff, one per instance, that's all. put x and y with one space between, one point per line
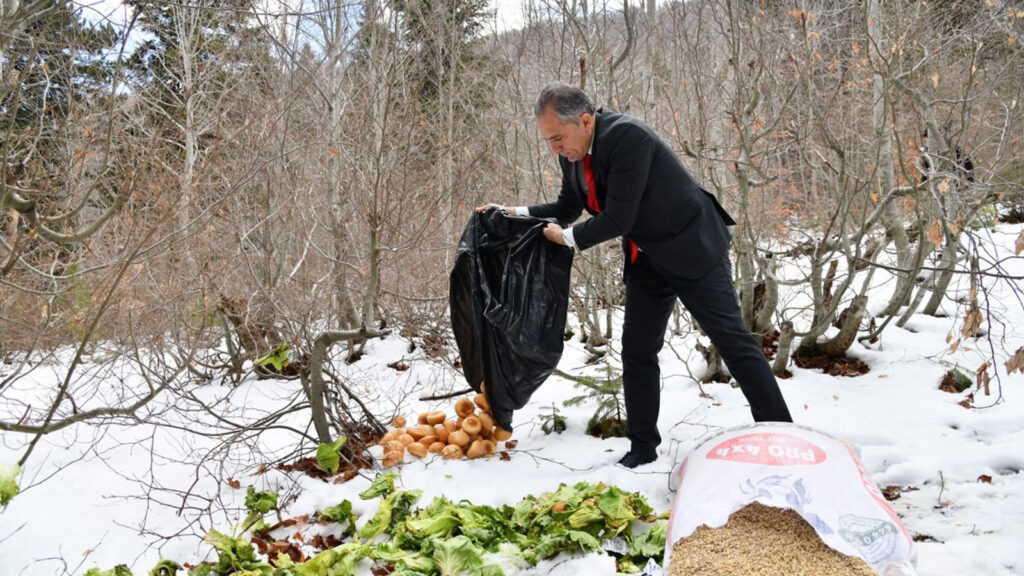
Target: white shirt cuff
522 210
567 237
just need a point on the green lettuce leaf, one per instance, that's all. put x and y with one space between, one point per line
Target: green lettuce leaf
260 502
441 525
342 514
508 557
8 482
587 514
547 546
382 485
276 359
165 568
393 510
341 560
650 544
458 555
625 565
523 513
119 570
617 507
201 570
327 455
573 496
235 555
404 560
487 527
585 541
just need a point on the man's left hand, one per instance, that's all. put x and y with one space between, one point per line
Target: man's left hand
553 232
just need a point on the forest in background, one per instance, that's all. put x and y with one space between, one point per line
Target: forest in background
215 180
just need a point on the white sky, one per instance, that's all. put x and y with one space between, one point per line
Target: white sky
509 13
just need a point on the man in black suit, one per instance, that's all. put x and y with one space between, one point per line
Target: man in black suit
676 243
961 161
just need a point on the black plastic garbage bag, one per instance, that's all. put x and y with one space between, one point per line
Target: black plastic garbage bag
509 295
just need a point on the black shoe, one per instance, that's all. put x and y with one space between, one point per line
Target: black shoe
634 459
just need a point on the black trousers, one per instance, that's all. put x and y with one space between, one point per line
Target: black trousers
651 293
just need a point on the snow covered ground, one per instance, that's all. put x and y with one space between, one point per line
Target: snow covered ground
84 503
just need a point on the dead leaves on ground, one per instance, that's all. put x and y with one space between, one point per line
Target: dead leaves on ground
770 344
291 546
272 548
323 542
350 466
893 492
833 366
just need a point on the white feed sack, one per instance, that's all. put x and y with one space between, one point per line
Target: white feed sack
792 467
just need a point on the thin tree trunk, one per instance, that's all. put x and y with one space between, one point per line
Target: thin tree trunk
765 306
841 342
947 267
315 384
886 177
786 335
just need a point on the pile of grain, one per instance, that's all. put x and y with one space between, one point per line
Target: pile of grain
759 540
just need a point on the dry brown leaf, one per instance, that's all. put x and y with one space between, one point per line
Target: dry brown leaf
1016 363
956 227
892 492
972 321
985 478
1019 246
984 378
935 232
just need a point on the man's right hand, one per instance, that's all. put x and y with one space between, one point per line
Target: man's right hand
486 206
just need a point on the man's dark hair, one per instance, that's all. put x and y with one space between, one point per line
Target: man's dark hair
568 103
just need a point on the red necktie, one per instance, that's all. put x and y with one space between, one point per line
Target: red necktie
588 172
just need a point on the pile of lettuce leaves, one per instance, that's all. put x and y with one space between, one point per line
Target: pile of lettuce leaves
449 538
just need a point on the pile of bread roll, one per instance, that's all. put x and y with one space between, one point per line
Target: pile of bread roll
472 434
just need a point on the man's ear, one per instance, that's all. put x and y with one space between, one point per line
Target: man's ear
587 119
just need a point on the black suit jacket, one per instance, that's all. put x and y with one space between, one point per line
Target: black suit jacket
645 193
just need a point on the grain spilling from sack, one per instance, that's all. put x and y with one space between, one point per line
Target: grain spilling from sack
760 540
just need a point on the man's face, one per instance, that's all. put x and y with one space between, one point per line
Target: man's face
570 139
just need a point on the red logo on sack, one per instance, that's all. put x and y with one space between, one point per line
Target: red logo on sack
769 449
